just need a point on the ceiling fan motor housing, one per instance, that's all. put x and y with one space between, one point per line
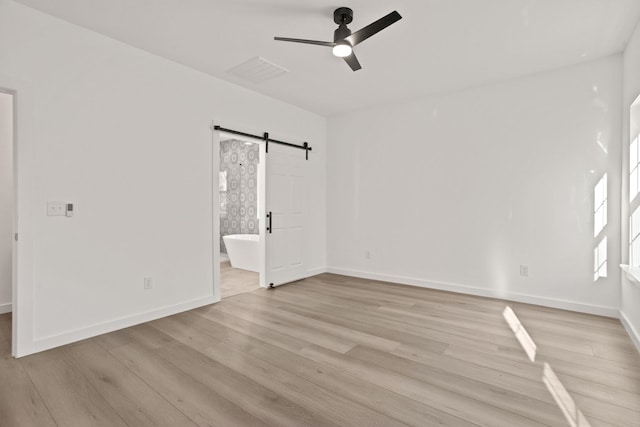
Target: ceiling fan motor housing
340 33
343 15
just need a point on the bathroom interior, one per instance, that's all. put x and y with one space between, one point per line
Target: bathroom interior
239 216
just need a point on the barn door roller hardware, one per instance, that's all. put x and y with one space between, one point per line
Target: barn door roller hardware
265 137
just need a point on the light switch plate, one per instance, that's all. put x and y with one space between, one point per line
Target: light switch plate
56 208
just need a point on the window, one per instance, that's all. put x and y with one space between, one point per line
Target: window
632 267
634 234
634 189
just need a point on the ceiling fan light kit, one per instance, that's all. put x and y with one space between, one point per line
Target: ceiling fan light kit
344 40
342 49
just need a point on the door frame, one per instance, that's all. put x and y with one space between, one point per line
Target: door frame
14 217
262 185
24 131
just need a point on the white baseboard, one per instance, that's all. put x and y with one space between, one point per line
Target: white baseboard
5 308
316 271
633 333
57 340
471 290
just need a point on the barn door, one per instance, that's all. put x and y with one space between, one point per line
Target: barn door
286 220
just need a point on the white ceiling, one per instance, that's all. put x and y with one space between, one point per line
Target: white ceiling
438 46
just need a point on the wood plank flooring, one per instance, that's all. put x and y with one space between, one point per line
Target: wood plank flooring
234 281
330 351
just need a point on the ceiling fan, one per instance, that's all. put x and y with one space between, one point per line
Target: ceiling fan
344 40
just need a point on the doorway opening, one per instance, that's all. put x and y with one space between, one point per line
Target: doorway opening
281 214
7 220
241 203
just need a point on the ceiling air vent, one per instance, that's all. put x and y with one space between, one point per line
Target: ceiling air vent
257 70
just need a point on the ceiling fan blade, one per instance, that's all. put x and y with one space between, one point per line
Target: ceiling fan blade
316 42
371 29
353 62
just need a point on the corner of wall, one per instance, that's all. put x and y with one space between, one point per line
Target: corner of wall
633 333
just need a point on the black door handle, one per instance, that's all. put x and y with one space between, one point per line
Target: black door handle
269 217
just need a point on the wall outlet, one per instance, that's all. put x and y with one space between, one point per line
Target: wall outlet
148 283
524 270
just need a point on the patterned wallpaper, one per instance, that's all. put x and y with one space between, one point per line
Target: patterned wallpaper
238 188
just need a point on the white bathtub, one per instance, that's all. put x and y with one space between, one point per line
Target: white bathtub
243 251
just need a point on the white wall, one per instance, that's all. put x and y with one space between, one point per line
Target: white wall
125 136
6 199
630 301
457 191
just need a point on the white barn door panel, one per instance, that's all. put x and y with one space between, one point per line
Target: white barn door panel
287 221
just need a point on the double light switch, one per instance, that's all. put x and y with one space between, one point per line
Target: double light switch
59 209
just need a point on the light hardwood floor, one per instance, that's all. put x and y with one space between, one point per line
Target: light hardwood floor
234 281
329 351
